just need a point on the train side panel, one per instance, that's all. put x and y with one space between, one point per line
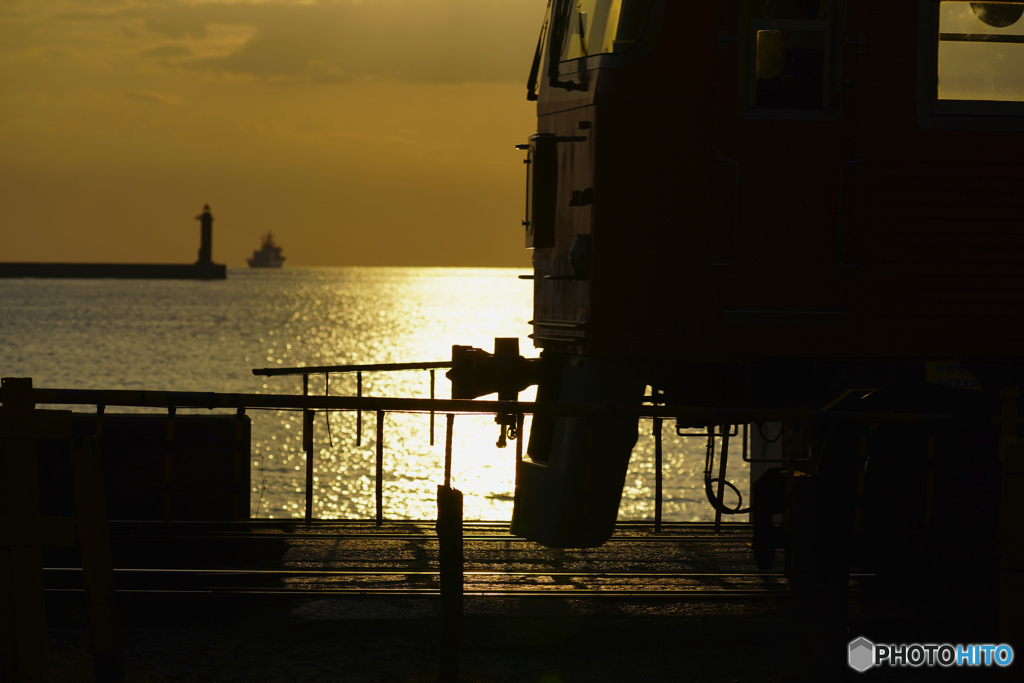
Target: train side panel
767 205
715 227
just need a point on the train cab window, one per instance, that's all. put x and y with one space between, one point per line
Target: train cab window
789 65
593 27
971 65
981 51
583 34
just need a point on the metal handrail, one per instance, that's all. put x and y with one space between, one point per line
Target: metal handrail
369 367
326 370
691 415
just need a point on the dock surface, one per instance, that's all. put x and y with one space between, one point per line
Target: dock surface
350 601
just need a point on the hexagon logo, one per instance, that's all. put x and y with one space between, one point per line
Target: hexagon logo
862 654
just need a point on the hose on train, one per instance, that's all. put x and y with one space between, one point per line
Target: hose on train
710 481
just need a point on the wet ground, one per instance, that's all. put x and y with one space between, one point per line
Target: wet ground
350 602
347 639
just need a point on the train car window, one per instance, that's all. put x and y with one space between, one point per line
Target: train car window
790 60
593 27
971 65
981 51
791 64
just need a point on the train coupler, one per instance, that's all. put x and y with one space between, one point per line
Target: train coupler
476 373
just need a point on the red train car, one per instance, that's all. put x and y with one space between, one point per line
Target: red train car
766 204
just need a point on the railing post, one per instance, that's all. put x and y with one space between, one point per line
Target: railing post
97 564
432 380
448 431
23 640
237 483
327 413
359 413
657 474
380 467
449 537
520 420
169 464
307 446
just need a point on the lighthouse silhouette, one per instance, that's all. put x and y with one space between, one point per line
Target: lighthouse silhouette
205 236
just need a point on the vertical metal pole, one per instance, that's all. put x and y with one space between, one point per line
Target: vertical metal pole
449 429
520 419
307 445
451 563
359 413
744 441
657 474
97 565
237 484
24 653
380 467
449 537
744 455
169 464
432 379
327 413
723 464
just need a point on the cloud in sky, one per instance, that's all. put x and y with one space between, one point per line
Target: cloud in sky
407 40
327 121
423 41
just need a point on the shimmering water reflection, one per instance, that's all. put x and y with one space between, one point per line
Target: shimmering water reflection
208 336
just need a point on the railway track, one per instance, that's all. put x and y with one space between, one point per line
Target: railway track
680 562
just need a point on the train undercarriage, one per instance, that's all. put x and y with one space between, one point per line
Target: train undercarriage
907 472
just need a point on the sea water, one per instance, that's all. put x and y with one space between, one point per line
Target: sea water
171 335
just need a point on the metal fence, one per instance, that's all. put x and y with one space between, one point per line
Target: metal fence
713 422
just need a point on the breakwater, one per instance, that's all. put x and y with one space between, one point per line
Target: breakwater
137 271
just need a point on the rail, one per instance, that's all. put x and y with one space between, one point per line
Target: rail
677 564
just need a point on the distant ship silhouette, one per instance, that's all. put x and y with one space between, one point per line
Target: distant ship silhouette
268 255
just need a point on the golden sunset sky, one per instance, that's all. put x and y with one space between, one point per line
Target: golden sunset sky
361 132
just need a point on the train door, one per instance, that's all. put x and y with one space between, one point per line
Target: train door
787 163
939 249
